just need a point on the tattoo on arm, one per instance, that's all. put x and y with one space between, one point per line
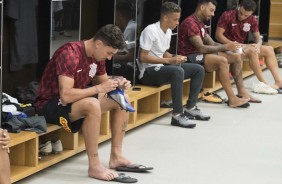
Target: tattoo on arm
197 43
257 38
208 40
203 48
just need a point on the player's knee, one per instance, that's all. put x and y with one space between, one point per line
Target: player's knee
92 105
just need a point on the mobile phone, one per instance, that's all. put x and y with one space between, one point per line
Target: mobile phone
136 89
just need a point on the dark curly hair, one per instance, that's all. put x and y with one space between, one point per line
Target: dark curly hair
111 35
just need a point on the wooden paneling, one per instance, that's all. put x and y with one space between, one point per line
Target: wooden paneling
275 23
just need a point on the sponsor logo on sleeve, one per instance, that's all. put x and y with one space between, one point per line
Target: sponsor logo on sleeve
64 124
203 32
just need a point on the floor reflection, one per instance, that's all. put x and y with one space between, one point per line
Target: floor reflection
58 40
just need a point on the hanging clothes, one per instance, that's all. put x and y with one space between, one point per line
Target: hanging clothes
23 32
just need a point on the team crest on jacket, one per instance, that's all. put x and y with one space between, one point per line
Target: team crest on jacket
93 69
247 27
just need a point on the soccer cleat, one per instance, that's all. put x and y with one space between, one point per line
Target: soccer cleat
280 64
118 96
212 98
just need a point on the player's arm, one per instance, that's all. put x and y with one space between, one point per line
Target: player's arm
219 35
208 47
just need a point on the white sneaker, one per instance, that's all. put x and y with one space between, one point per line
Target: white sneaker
166 104
57 147
196 113
263 88
182 121
45 149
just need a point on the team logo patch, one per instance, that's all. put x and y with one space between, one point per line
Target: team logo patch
247 27
61 103
117 65
157 68
64 124
199 57
93 70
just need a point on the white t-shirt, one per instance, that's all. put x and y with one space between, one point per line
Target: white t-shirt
154 40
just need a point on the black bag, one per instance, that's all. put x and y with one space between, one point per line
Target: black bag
128 70
27 94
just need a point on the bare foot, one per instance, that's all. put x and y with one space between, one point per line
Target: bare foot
120 161
101 173
278 85
245 96
237 102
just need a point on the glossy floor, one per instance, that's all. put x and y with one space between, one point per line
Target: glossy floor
237 146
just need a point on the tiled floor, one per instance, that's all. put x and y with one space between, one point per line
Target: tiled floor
237 146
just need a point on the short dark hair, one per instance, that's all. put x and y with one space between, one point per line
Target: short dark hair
200 2
111 35
169 7
249 5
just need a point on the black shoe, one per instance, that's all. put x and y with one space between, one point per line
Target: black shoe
279 90
280 64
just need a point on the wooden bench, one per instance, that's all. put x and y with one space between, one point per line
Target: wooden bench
24 155
24 145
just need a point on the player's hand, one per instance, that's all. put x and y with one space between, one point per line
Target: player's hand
123 83
4 140
107 86
183 58
233 46
244 47
177 59
257 47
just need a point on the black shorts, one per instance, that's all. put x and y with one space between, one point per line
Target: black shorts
57 113
196 58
